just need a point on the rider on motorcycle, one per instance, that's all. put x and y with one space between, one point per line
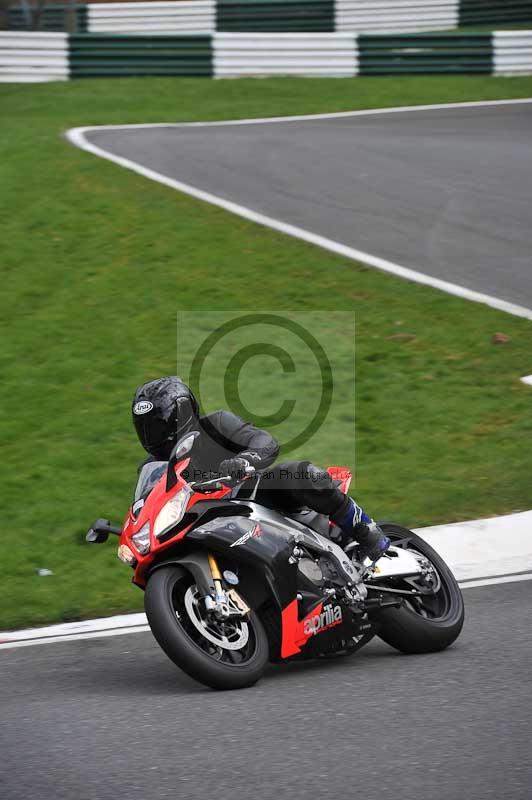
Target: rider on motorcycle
165 409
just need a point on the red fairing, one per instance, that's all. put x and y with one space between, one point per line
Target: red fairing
158 497
294 636
343 475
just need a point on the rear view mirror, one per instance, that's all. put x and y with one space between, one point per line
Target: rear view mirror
183 446
99 531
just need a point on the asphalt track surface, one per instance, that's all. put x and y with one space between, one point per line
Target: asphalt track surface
113 718
445 192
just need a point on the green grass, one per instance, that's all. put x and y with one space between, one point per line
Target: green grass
95 263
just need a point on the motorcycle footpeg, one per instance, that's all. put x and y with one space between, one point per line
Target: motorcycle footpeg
378 603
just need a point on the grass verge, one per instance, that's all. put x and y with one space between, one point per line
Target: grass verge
95 262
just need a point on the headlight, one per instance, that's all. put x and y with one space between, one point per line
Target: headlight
141 540
172 512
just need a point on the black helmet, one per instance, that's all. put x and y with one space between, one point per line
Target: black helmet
163 411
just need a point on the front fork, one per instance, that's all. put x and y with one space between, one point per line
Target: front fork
220 598
224 604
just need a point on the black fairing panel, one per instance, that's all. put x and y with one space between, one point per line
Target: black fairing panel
261 544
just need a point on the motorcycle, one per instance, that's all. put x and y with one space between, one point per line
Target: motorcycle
230 584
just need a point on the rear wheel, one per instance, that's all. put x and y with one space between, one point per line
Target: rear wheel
433 615
223 654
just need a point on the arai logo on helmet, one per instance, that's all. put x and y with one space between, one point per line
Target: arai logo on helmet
142 407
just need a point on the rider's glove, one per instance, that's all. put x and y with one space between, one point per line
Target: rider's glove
235 467
253 458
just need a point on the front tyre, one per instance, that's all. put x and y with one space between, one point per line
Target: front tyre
429 623
222 655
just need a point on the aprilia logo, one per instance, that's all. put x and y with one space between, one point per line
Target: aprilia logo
328 618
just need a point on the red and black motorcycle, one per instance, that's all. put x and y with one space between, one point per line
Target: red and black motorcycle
230 584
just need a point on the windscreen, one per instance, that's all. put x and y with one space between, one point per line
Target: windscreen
148 477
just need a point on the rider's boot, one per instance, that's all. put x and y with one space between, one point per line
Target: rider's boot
357 526
372 540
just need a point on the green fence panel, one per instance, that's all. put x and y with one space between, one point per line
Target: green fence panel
52 18
425 53
99 55
275 15
83 19
494 12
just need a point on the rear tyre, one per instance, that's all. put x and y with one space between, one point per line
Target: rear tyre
229 655
429 623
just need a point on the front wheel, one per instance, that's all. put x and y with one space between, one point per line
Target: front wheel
429 621
228 654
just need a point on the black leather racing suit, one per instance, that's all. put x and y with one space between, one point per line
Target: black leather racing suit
288 486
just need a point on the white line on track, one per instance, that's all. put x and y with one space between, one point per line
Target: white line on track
93 628
78 137
368 112
493 581
72 637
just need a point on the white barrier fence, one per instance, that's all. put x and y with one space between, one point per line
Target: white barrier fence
33 57
36 56
512 52
199 16
192 16
310 54
401 16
